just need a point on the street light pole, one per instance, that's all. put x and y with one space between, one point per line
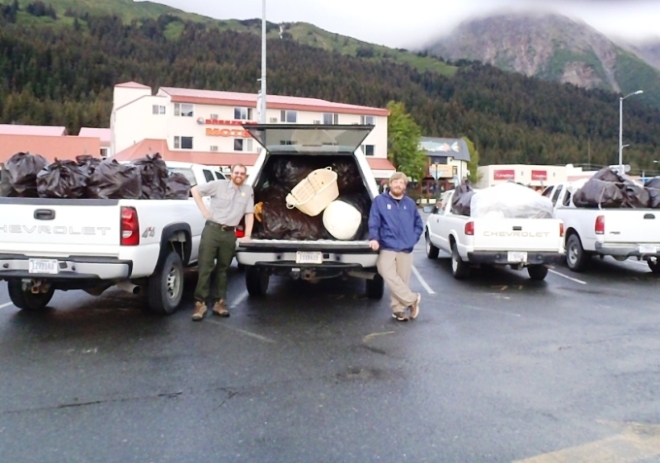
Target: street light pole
621 127
262 107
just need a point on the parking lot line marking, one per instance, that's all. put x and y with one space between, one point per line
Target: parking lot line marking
567 277
421 280
238 330
239 299
623 448
2 306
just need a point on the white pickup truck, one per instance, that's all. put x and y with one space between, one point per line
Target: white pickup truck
90 244
514 242
307 258
620 233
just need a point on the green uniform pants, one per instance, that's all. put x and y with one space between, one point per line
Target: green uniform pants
216 250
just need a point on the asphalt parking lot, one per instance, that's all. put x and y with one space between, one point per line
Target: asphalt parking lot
497 368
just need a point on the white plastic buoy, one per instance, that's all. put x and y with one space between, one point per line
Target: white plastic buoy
342 220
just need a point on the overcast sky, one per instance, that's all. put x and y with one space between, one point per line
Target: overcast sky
412 23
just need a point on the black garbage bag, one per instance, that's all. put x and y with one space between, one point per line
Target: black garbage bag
608 174
460 203
653 189
154 173
5 188
112 180
288 171
178 187
595 193
635 196
349 180
88 163
21 174
62 179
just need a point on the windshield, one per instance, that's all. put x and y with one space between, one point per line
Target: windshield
315 138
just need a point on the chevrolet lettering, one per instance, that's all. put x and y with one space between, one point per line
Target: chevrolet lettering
58 230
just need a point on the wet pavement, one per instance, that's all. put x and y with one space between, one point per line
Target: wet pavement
497 368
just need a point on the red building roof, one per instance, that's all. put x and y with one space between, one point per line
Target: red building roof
34 130
50 147
212 97
149 146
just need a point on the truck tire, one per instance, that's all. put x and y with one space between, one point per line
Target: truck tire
26 300
537 272
256 281
165 286
459 269
576 256
431 251
375 288
654 265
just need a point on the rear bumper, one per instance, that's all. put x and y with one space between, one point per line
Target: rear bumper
501 257
70 268
626 249
283 259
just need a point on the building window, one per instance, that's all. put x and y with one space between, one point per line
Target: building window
214 117
289 116
368 150
158 109
183 143
243 114
330 119
367 120
184 109
238 144
214 148
104 153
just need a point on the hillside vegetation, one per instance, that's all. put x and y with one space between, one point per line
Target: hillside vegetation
52 74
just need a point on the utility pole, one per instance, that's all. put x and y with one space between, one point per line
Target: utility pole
262 99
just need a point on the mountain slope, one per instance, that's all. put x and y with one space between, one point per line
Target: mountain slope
551 47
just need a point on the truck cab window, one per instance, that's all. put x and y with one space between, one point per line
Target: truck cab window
556 194
208 175
547 192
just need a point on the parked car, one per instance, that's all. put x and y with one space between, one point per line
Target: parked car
475 241
90 244
620 233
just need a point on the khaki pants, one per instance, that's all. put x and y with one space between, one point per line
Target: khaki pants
216 251
395 268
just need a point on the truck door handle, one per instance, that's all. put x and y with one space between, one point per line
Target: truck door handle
44 214
649 216
517 228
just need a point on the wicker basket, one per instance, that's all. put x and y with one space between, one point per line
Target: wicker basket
313 194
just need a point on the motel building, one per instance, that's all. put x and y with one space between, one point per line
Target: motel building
205 126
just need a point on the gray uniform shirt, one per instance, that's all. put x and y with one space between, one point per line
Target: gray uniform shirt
229 203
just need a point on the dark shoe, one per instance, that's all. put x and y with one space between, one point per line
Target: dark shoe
200 311
414 308
400 316
220 309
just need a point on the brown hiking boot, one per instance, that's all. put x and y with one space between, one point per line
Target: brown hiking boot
414 308
200 311
220 309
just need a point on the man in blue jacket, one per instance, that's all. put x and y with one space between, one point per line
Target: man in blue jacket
394 228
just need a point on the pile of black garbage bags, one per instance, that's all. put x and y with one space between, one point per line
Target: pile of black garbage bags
609 189
28 175
275 221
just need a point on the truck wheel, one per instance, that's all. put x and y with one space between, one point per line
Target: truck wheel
165 286
537 272
375 287
431 251
26 300
654 265
576 257
459 268
256 281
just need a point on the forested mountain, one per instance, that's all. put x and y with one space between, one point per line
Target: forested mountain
65 75
555 48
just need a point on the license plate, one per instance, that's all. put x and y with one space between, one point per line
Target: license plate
648 249
309 257
517 257
47 266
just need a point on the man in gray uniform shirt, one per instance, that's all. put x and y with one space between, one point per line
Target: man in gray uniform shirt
230 201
